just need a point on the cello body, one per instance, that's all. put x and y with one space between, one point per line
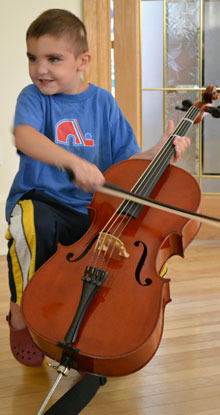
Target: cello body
122 326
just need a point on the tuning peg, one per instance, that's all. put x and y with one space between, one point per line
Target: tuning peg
186 104
214 111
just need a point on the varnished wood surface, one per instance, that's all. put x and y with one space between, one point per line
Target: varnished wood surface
183 378
97 19
126 45
127 61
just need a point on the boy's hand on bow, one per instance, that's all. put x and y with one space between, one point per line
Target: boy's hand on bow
86 175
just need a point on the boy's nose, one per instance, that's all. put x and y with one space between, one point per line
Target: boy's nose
42 68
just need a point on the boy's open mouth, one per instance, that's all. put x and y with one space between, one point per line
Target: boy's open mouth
45 81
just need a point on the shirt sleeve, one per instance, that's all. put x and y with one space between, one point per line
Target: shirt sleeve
124 142
29 109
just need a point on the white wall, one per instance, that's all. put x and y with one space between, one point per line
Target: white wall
15 19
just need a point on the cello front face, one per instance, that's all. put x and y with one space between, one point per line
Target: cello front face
122 325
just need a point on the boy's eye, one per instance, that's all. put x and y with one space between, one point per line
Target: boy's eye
54 59
31 58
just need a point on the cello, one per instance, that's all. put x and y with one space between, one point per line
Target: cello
101 300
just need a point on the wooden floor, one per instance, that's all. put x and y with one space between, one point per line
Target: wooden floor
183 378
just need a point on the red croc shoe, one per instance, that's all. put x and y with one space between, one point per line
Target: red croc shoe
23 347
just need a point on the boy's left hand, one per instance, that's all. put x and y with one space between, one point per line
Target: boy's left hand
181 143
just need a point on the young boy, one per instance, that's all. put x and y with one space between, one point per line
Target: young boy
62 124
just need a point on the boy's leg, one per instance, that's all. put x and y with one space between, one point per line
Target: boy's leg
22 253
30 244
34 231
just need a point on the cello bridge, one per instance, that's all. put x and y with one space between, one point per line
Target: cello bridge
106 240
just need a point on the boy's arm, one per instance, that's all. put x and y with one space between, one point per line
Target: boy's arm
37 146
181 144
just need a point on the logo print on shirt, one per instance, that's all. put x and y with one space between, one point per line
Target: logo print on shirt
70 129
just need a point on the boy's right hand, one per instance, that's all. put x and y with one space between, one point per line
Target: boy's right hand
85 174
36 145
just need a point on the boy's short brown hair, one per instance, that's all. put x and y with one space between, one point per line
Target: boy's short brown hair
59 22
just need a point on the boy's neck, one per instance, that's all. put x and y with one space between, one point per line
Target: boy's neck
78 89
83 86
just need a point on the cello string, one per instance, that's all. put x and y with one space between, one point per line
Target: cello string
120 219
166 152
157 165
152 174
181 129
164 155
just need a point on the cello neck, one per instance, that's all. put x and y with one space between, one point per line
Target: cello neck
166 153
160 162
151 176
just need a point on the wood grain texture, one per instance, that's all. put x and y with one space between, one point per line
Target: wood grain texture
97 19
127 60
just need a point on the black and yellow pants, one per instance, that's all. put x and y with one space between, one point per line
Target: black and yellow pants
37 224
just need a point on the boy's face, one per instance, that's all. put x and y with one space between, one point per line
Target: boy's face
53 67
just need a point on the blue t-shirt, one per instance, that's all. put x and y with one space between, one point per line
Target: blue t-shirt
89 124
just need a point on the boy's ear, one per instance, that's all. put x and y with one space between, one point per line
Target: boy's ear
85 60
